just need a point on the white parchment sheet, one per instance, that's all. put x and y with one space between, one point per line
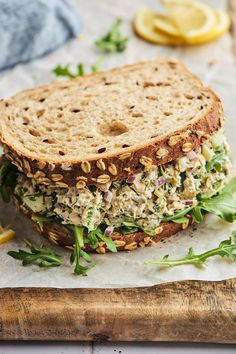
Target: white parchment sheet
215 65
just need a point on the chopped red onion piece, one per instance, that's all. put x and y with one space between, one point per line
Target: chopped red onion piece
131 179
160 181
108 196
108 231
191 155
188 202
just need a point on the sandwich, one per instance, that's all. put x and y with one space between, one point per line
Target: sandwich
116 160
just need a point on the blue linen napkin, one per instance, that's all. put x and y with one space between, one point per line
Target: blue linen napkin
32 28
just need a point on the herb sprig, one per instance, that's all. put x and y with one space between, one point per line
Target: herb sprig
113 41
226 249
65 71
78 253
44 257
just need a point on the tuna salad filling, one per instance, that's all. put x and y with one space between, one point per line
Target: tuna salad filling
142 201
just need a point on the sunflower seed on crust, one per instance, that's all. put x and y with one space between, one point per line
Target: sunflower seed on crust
41 164
103 179
101 165
187 147
124 156
27 166
80 184
62 185
200 133
101 250
131 246
53 237
56 177
51 166
127 169
175 139
81 178
161 153
119 243
159 230
85 166
45 180
185 225
39 174
112 169
147 239
145 161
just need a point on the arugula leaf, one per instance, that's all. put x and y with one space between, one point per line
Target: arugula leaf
40 219
108 240
8 177
77 252
222 205
162 171
226 249
180 220
92 240
128 229
177 215
44 257
112 41
197 214
65 71
80 70
95 68
216 162
149 232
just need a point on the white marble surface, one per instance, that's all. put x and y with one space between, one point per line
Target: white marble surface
114 348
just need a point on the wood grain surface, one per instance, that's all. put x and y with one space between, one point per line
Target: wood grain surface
187 311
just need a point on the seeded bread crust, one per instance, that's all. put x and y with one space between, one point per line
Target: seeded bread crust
106 167
61 236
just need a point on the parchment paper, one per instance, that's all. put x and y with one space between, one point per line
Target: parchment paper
214 63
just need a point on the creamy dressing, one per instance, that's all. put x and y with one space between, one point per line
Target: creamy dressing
163 191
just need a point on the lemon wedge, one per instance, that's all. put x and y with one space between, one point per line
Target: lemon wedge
6 234
194 20
145 28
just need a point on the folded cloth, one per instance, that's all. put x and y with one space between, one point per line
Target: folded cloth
32 28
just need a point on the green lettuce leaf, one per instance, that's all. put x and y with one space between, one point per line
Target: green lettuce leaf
222 205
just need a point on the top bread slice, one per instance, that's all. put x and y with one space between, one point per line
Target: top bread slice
107 126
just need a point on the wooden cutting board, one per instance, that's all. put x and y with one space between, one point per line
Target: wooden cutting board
187 311
190 311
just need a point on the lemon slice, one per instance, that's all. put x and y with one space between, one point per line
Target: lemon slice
145 28
164 24
6 235
193 19
222 26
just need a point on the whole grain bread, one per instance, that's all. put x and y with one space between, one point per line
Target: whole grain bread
110 125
